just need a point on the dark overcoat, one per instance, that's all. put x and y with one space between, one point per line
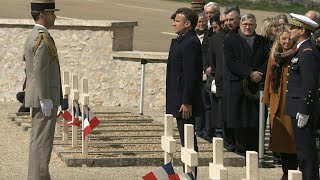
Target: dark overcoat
184 74
205 50
240 60
216 59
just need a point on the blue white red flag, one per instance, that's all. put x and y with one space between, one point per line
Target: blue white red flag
166 172
89 123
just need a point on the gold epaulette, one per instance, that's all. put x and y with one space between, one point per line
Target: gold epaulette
307 49
51 47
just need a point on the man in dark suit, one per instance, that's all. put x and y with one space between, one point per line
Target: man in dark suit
184 72
302 100
245 55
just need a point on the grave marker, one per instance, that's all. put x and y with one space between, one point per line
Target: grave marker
294 175
66 92
252 169
168 144
84 108
216 169
74 100
188 155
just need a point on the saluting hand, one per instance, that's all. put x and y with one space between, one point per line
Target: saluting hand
186 110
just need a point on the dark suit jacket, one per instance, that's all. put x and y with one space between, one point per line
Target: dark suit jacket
303 81
184 74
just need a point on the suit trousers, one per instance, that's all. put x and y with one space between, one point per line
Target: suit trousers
181 122
41 143
306 149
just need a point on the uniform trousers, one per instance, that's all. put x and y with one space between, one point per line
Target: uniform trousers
41 143
288 162
306 149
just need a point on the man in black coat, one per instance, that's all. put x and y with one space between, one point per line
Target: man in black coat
302 99
246 55
184 72
229 20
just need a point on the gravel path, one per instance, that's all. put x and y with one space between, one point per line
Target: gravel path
14 158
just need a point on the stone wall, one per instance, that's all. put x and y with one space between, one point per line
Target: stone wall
86 48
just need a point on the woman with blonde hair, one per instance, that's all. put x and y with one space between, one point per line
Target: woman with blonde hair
282 136
268 28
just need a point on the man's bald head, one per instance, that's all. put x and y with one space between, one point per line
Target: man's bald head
314 15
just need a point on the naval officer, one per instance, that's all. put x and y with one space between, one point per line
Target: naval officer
302 99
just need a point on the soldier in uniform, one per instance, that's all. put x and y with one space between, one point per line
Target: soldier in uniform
43 87
302 99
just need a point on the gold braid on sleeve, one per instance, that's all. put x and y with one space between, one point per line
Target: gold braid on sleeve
37 44
51 48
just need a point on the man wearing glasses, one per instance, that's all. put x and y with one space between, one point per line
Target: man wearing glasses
43 87
246 55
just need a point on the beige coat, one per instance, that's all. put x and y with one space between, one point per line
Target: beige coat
42 69
282 136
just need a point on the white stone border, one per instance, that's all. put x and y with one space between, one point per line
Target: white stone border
74 22
151 57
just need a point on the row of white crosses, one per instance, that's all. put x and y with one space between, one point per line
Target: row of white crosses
217 171
75 98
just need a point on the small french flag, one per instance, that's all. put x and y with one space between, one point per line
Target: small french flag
162 173
166 172
90 123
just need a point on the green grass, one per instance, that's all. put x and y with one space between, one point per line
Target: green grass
265 6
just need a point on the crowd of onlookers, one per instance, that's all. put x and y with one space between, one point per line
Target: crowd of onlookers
239 61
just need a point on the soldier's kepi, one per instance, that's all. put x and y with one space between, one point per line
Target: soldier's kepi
43 5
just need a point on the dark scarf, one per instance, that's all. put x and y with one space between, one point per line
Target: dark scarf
249 39
276 69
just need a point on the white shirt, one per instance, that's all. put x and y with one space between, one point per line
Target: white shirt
299 44
201 37
45 29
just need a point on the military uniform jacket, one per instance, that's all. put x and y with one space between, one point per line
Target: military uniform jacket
42 69
184 74
303 81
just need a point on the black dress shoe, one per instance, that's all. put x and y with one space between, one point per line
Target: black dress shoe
200 135
229 147
207 138
240 151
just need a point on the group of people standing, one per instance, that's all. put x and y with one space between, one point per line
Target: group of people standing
218 65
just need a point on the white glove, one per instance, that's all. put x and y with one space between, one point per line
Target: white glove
302 119
46 106
213 87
